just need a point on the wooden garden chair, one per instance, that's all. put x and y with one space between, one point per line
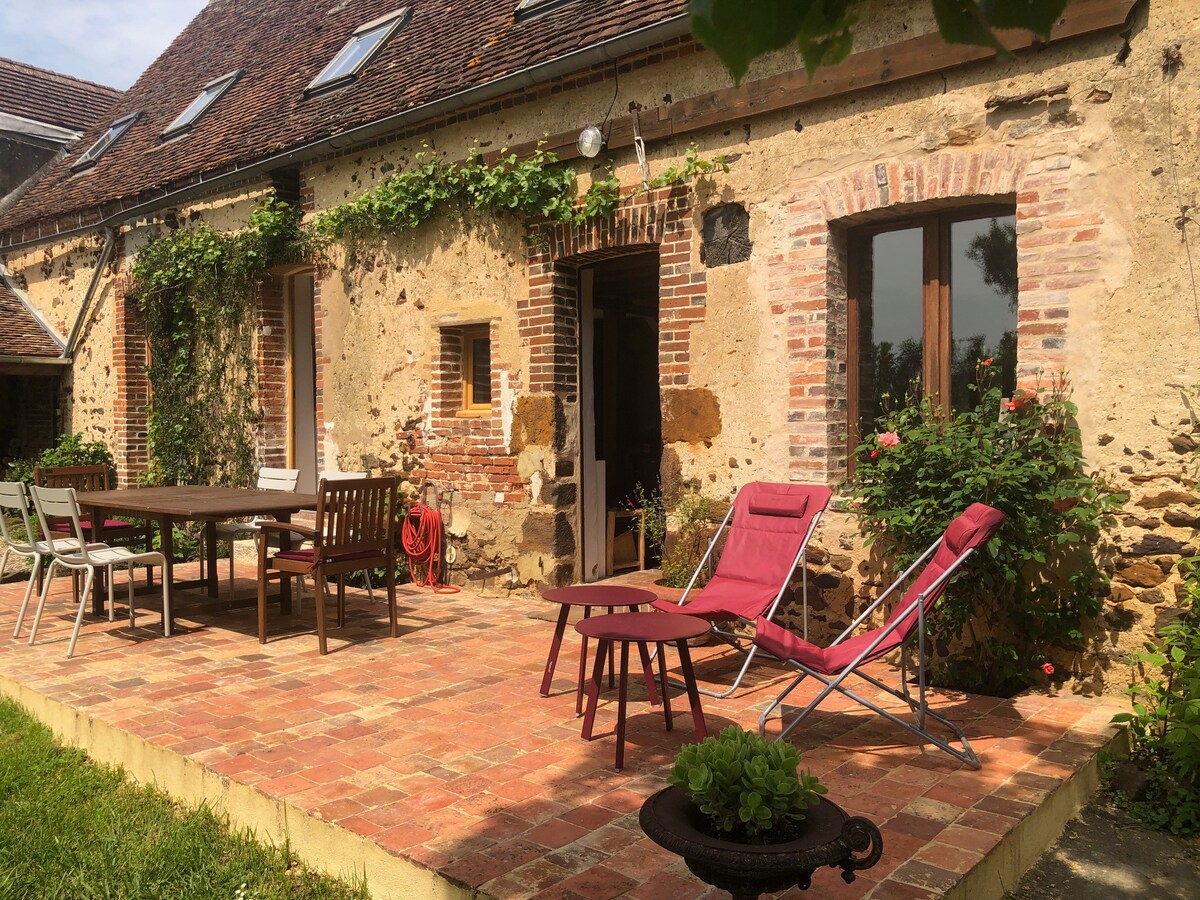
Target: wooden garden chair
354 530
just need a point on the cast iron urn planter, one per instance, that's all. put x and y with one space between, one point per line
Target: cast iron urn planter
828 837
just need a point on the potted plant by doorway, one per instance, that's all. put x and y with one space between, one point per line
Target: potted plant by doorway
746 819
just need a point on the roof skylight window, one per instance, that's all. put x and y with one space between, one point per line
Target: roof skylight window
110 137
198 107
364 43
528 9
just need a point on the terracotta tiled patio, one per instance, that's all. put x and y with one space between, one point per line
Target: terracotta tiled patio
437 747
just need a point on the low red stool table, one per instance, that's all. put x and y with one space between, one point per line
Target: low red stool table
589 597
642 628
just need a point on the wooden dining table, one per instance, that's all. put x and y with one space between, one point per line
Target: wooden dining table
191 503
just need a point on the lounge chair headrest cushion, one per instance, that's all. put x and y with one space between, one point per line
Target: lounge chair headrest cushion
764 504
975 526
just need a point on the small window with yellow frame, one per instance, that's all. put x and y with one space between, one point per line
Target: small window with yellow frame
477 371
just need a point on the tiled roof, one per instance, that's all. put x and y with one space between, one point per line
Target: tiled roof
20 333
52 98
279 46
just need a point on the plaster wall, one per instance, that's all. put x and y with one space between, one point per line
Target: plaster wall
55 279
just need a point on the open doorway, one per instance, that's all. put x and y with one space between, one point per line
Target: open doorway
302 372
621 416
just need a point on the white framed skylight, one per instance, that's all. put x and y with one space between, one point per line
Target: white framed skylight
364 43
528 9
110 137
198 107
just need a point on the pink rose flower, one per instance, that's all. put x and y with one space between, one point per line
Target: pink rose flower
1020 399
1048 668
889 439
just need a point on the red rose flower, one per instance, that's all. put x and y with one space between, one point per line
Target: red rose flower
988 361
1048 668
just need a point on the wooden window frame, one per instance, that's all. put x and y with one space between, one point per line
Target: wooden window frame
936 328
469 335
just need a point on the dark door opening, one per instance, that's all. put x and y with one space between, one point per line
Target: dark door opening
624 413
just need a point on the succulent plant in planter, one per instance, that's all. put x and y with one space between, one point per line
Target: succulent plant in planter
746 786
746 819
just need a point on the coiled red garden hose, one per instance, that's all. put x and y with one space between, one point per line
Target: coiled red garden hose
421 537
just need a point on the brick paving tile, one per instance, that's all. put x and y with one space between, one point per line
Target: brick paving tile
968 838
556 833
916 826
398 741
1005 806
897 890
935 810
922 874
950 858
599 883
591 816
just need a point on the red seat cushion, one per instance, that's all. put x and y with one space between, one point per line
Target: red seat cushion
724 599
975 527
63 526
309 556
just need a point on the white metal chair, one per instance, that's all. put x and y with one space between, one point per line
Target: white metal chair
268 480
14 498
61 503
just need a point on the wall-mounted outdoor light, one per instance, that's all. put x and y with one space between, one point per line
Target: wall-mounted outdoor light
591 142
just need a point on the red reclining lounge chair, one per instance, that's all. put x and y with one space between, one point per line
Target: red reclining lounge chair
847 654
768 537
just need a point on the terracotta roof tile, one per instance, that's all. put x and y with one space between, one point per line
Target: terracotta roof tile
52 98
279 46
21 334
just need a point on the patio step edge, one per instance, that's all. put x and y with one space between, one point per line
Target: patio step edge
323 846
1002 867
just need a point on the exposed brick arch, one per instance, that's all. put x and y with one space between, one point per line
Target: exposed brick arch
549 326
658 220
1057 252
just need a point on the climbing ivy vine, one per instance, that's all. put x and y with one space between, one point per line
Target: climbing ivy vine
196 289
538 186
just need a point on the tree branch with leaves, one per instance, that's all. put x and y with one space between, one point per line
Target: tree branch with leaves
740 31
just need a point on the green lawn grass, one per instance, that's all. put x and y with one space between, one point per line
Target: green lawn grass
74 830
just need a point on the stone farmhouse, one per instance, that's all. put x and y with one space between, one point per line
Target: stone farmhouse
903 213
42 114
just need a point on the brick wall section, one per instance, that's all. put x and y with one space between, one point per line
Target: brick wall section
466 453
1057 252
133 389
271 373
658 220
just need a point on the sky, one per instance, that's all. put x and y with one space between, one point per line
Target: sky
106 41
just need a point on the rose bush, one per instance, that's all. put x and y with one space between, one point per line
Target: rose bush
1027 594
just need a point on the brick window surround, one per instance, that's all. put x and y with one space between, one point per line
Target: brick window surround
1058 256
451 398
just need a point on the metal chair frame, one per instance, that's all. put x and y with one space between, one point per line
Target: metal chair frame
62 502
89 478
269 479
739 641
14 496
920 707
